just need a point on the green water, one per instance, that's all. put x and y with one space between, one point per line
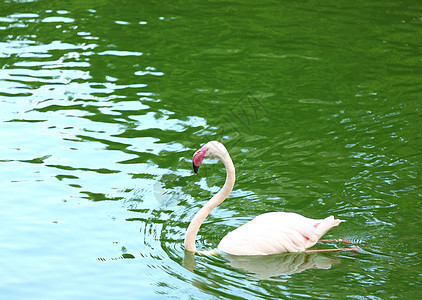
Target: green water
104 102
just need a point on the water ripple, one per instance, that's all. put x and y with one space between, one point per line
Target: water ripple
103 107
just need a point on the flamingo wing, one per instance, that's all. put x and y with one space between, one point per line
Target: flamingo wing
276 232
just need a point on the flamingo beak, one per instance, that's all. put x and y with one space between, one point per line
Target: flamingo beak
195 168
198 157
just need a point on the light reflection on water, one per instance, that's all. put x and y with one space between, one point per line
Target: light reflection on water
102 110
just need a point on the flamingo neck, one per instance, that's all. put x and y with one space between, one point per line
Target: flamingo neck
200 216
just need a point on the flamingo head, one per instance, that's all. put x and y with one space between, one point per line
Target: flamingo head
211 149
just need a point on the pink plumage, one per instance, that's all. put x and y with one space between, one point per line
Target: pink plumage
276 232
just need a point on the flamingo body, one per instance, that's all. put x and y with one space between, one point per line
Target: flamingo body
276 232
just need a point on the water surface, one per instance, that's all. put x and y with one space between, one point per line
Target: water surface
103 105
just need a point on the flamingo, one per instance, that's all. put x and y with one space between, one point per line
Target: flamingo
268 233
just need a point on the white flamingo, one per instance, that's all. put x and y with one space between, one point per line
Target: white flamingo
269 233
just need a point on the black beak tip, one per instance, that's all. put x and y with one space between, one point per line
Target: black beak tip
195 168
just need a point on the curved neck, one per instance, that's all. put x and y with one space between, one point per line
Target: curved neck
200 216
